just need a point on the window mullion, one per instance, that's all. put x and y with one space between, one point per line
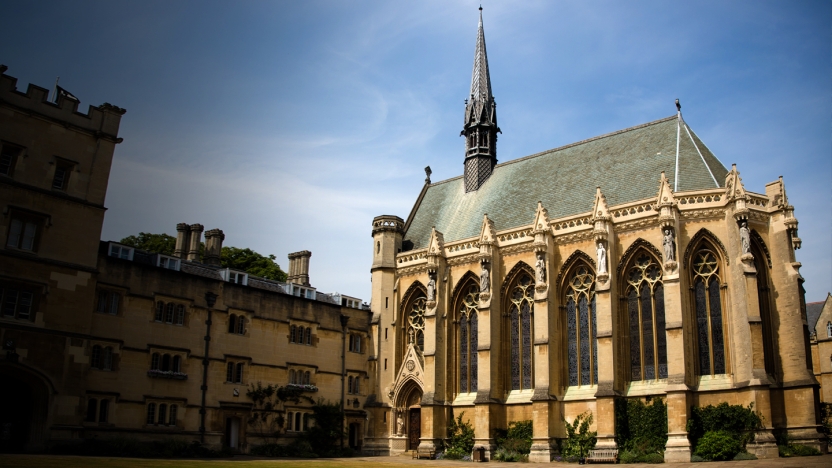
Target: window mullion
641 331
656 363
710 330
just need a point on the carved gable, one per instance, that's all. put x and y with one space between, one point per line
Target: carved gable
665 196
411 369
733 184
600 210
541 218
436 244
487 233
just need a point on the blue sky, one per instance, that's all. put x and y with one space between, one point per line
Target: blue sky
290 125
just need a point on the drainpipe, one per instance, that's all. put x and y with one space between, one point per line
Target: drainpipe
344 320
210 299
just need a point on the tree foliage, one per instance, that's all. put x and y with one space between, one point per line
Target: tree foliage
579 439
739 420
641 428
325 435
460 438
159 243
252 263
235 258
267 415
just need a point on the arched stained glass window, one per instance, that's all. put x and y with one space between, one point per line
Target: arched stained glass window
582 342
644 293
708 305
416 323
467 307
520 296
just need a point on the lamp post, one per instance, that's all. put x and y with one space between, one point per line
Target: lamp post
210 299
344 320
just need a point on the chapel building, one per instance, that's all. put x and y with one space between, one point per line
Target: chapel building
630 265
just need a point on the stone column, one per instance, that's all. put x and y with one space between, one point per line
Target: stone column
196 237
605 316
183 233
434 410
542 401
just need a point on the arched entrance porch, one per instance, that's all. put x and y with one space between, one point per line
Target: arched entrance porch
409 417
24 408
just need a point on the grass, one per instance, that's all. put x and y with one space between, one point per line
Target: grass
63 461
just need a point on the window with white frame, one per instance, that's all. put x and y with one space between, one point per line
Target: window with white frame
63 169
121 251
234 372
236 277
355 343
170 263
354 385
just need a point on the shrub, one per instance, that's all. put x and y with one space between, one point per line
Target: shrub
718 445
745 456
324 436
641 429
504 455
797 450
579 439
460 439
738 420
826 418
517 438
627 456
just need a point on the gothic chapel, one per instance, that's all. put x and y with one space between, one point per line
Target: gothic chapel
539 289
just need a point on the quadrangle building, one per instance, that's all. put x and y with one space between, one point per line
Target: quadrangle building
630 265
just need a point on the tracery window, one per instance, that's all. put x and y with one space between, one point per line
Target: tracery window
468 338
707 296
416 323
521 296
829 329
644 294
582 341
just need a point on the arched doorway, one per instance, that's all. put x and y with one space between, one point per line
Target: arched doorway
410 399
24 405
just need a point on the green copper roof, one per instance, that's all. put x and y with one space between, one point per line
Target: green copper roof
626 165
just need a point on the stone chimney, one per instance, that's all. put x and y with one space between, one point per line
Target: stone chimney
213 247
183 235
196 237
299 267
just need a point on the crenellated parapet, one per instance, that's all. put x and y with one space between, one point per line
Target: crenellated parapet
102 121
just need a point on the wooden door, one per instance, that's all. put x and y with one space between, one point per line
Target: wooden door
414 431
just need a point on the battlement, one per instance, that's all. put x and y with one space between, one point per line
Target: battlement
100 120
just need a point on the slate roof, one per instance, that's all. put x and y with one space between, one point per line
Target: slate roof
813 310
626 165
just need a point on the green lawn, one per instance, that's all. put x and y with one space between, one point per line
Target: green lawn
57 461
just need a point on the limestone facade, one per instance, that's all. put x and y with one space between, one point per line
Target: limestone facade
103 340
684 286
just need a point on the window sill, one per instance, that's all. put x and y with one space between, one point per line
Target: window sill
715 382
581 392
646 387
520 396
158 374
465 399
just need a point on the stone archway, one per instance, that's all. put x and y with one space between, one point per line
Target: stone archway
24 408
409 418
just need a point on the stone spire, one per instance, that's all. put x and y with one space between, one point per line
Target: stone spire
480 128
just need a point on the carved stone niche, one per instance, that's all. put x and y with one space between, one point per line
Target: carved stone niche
485 283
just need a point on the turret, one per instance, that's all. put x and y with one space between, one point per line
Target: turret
480 128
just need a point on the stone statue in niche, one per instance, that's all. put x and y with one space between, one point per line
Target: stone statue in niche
484 279
669 246
602 259
745 238
540 269
431 287
399 424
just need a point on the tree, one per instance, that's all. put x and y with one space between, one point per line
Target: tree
252 263
267 415
159 243
327 431
236 258
579 439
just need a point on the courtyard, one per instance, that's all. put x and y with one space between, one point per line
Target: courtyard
49 461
